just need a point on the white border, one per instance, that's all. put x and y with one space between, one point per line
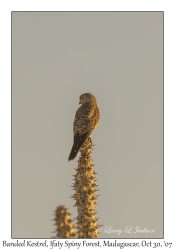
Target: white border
5 93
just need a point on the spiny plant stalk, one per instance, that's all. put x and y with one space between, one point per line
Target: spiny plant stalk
65 227
85 196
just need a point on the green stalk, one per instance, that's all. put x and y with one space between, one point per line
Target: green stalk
65 227
85 195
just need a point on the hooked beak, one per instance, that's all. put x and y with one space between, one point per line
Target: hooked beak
79 102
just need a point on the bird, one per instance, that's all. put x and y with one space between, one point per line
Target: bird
86 120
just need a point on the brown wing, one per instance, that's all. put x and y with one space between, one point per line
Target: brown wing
86 120
83 118
78 142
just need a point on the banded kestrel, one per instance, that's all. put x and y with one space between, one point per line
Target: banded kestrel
86 120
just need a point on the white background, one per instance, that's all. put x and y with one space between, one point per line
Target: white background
5 94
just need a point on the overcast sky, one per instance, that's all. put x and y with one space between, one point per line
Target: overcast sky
118 57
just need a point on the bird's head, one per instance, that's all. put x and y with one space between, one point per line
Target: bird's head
87 97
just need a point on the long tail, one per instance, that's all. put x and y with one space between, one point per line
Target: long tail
78 142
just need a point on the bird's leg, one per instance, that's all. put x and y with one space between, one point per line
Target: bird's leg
86 148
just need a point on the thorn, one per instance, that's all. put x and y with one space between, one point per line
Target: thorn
96 219
53 219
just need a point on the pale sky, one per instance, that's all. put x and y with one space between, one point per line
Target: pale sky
118 57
